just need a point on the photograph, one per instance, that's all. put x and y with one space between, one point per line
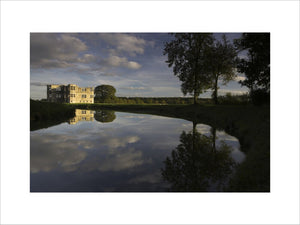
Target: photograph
150 112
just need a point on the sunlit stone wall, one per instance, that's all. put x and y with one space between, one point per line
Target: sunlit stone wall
70 93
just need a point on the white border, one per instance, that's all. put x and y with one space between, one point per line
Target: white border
18 19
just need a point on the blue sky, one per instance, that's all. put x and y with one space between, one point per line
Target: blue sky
131 62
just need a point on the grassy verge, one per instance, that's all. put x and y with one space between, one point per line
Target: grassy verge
46 114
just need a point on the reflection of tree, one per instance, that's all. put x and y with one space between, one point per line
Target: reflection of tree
105 116
196 164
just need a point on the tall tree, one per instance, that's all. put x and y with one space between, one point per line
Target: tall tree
256 64
105 94
221 63
186 53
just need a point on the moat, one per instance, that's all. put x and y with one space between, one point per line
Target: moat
107 151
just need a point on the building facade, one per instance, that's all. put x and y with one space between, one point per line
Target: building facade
70 93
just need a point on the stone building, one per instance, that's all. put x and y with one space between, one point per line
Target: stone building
70 93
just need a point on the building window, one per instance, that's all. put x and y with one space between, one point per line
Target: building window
72 87
83 96
72 95
83 112
92 96
91 89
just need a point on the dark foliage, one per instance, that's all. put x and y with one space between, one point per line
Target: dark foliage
186 54
104 94
256 65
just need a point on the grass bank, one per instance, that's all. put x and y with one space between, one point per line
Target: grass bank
46 114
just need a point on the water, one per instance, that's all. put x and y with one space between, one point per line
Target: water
108 151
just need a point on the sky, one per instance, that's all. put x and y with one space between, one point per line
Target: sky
131 62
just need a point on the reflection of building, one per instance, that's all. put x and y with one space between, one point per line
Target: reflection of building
70 93
82 115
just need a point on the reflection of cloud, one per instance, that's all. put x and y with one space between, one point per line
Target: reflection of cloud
233 142
223 138
46 154
203 129
120 142
121 160
66 152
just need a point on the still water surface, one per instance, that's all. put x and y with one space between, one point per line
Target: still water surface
106 151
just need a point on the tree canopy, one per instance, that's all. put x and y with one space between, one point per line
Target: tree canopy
256 64
105 94
221 63
186 53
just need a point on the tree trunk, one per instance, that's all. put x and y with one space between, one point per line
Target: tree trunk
215 95
194 135
213 131
195 98
195 88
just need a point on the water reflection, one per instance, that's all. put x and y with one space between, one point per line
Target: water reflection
199 163
125 152
82 115
105 116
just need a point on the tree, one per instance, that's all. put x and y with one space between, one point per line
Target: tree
221 63
105 94
186 53
256 64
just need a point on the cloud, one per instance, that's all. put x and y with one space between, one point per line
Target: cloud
125 43
152 178
136 88
50 50
39 84
236 92
87 58
240 78
116 61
